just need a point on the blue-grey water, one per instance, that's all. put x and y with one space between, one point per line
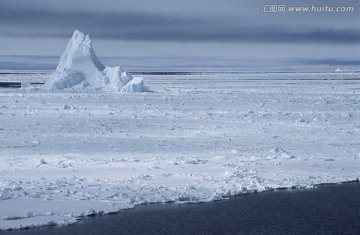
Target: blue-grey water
328 209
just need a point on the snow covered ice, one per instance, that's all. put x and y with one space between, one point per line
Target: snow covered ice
79 68
196 138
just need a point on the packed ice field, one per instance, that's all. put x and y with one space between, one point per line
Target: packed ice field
192 138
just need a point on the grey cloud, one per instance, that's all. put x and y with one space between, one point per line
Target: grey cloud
238 35
160 27
184 34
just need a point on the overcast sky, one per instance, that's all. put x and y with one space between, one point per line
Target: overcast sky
183 34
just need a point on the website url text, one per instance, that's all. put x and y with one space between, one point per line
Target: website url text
306 9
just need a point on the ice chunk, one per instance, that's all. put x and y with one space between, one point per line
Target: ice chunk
25 85
135 85
79 68
338 70
117 77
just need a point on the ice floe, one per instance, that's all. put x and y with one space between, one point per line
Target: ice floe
198 138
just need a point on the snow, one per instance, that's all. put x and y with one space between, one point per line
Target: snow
196 138
80 69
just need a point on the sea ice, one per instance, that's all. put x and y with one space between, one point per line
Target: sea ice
196 138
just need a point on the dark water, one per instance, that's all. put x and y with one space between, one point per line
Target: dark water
329 209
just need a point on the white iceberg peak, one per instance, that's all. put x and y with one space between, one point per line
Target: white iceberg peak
79 51
79 68
79 39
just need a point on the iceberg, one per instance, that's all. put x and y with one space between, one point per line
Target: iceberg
79 69
338 70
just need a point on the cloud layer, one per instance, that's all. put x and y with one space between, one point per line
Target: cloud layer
163 26
229 22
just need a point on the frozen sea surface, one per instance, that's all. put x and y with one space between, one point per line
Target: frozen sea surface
195 138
